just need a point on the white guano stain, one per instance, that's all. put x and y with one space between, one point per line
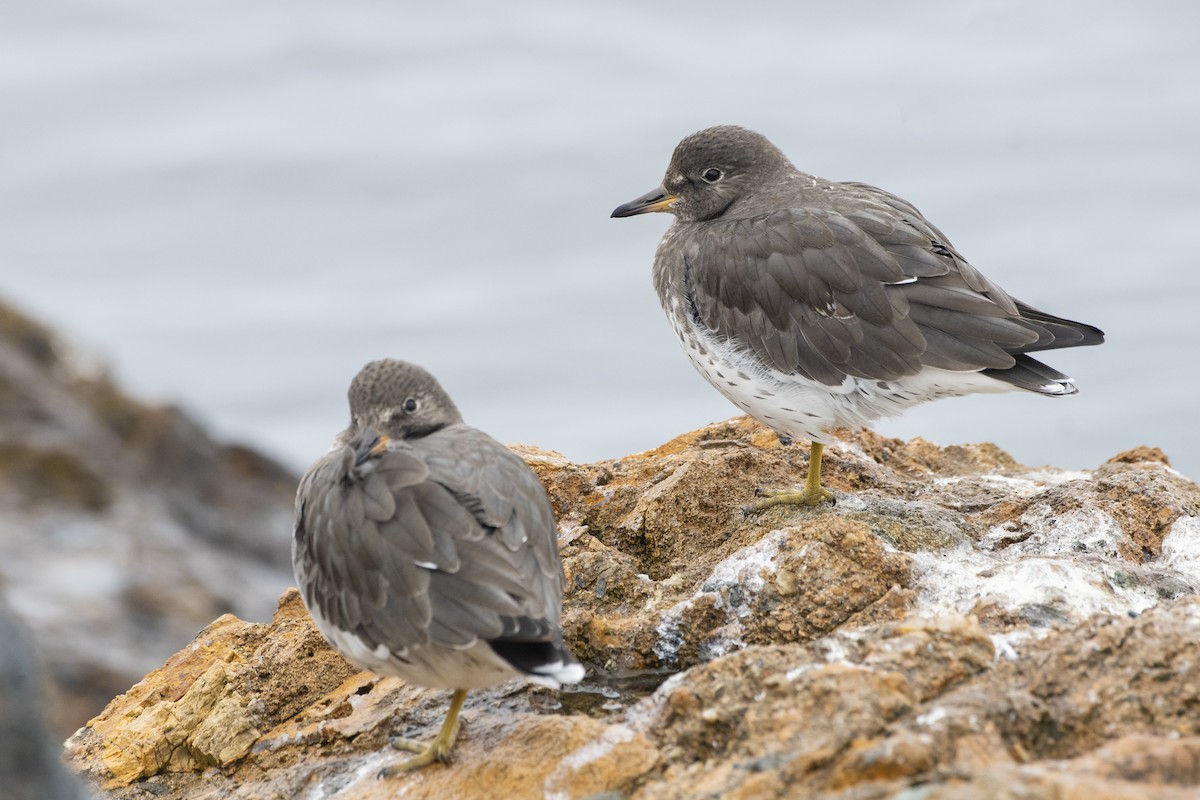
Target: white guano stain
732 583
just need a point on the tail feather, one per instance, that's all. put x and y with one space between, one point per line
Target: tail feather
546 663
1057 332
1034 376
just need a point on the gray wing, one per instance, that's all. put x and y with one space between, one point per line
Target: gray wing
863 287
510 579
448 539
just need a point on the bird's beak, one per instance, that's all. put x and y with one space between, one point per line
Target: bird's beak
654 200
372 449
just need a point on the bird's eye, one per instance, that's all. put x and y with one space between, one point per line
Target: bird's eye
410 405
712 175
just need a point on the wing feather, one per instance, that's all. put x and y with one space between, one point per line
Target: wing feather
447 539
860 286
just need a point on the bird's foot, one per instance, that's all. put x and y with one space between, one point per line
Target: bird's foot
426 754
810 496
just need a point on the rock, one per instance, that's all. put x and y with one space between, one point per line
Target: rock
209 703
956 626
278 713
126 527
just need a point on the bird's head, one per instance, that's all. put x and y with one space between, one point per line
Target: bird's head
710 172
399 400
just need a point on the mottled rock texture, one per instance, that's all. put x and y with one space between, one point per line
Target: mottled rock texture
956 626
126 528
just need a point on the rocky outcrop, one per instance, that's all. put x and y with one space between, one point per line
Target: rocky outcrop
957 625
126 527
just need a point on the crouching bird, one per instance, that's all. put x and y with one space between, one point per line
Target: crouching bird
426 549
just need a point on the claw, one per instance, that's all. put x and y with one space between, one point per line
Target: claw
813 493
437 750
801 498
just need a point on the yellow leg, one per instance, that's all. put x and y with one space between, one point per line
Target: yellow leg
437 750
813 492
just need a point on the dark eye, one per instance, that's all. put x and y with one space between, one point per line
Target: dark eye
712 175
410 405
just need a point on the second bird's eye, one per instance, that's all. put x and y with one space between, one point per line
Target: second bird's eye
712 175
410 405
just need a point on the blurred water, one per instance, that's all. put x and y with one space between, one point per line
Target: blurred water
237 204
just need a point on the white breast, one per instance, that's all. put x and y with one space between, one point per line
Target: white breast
797 406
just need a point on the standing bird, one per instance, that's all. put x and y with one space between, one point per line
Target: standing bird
813 304
426 549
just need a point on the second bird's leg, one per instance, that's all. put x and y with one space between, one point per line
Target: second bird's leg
437 750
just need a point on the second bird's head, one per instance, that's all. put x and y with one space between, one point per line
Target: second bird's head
399 400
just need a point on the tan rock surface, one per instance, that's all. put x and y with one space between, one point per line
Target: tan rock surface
956 626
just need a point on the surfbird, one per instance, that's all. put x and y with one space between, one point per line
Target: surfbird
813 304
426 549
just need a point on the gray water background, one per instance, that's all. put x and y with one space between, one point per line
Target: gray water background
234 205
